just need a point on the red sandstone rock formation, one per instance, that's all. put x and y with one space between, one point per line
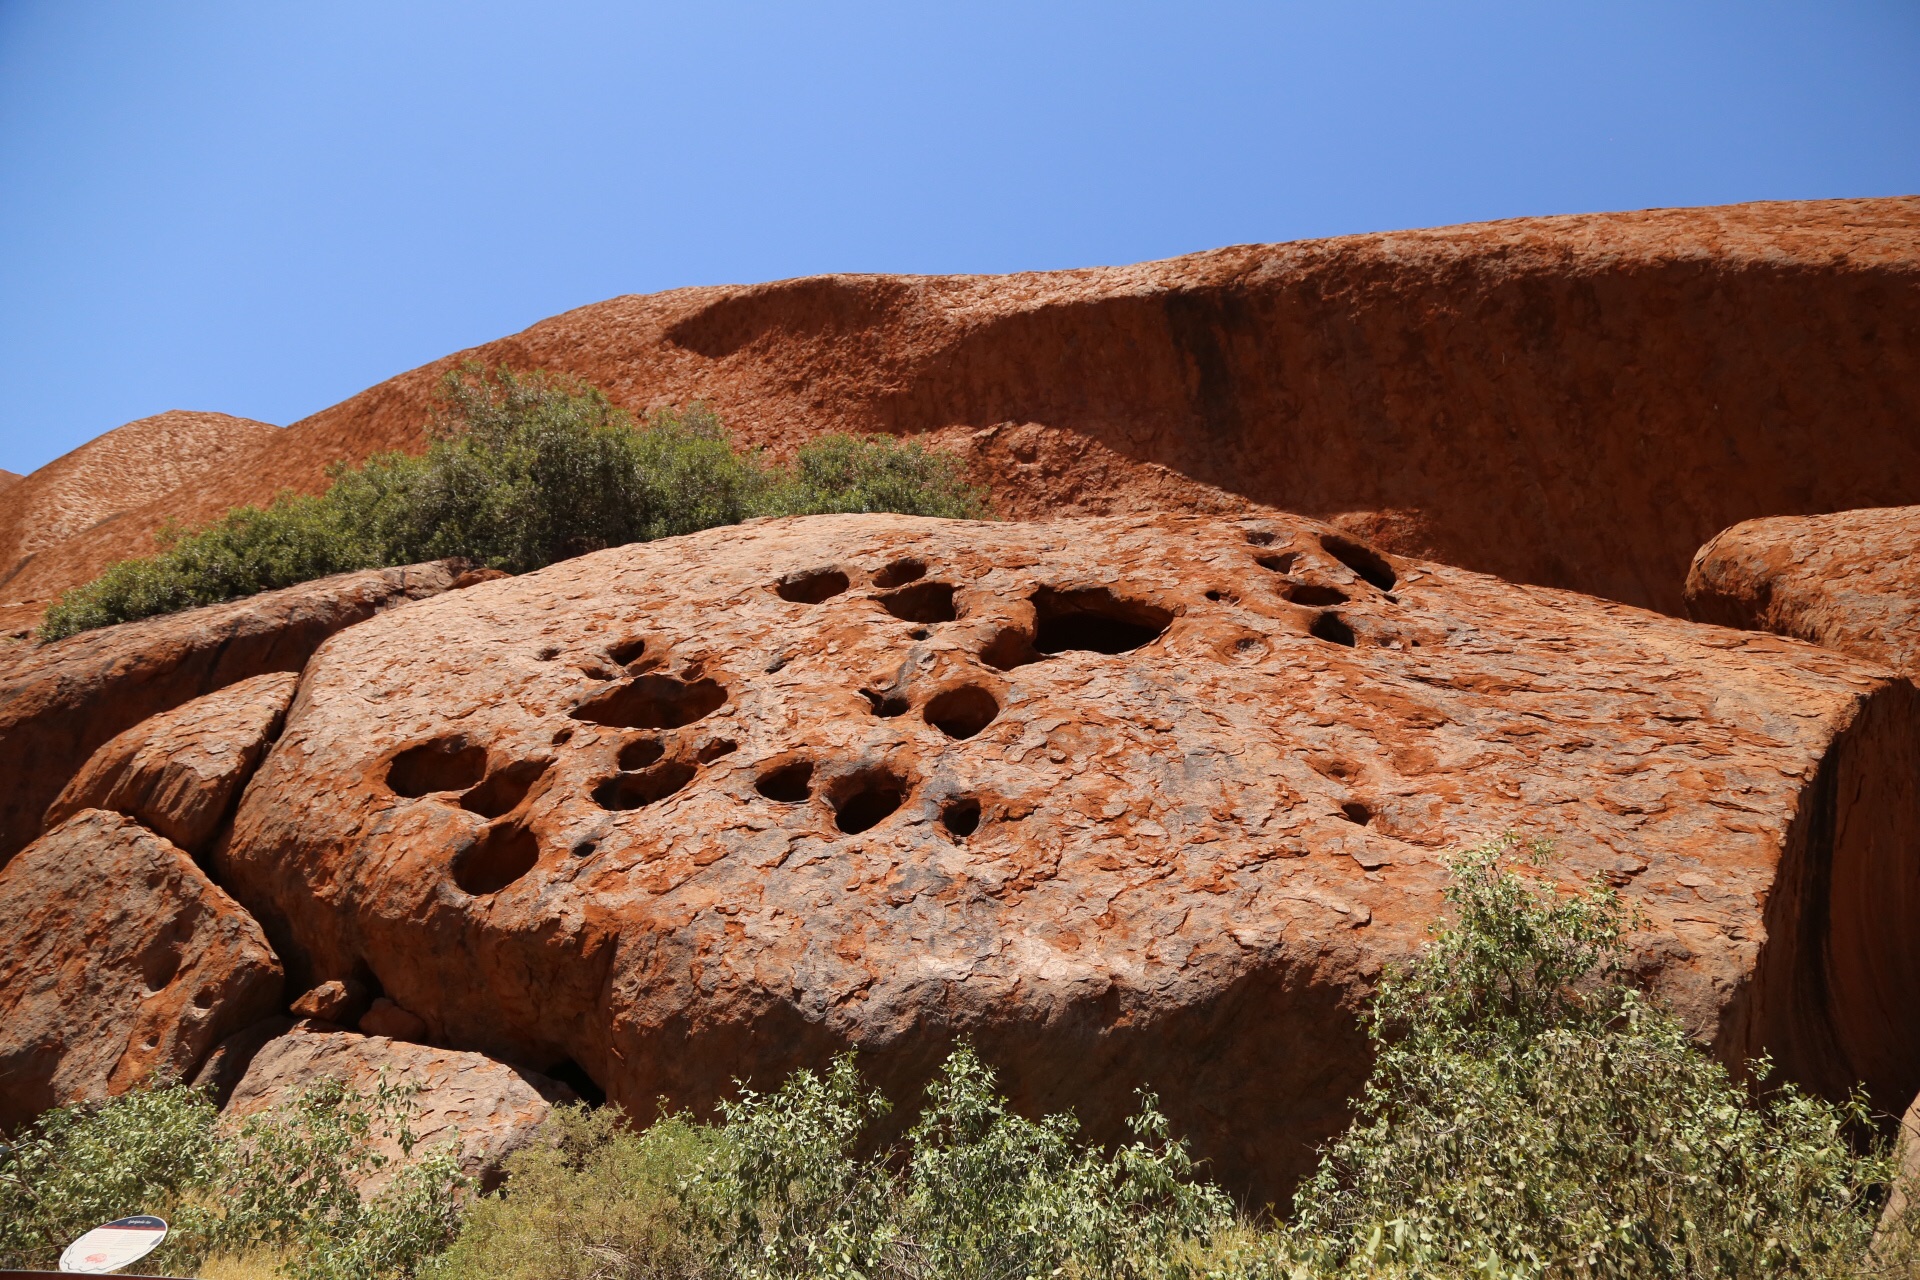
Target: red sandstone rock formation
490 1109
179 773
128 467
8 479
1573 401
60 703
1128 801
118 959
1849 581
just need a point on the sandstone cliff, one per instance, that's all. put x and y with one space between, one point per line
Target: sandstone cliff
1570 401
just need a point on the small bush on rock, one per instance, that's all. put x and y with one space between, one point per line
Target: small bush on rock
520 471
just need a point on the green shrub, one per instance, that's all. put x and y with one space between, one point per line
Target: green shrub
520 471
1531 1114
281 1185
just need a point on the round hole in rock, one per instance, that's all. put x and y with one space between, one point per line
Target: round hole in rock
961 818
640 753
1330 628
921 602
563 735
504 788
653 702
1259 537
1312 594
1362 559
885 705
1094 620
900 573
445 764
789 783
584 848
159 965
503 853
636 790
962 712
866 799
1282 563
1357 812
918 633
718 747
811 588
1009 648
548 652
627 650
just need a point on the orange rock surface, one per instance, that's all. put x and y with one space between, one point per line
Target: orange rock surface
1127 801
178 773
61 702
128 467
1573 401
118 959
1849 581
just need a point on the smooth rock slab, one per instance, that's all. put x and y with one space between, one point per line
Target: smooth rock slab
489 1108
1849 581
119 959
180 772
1127 801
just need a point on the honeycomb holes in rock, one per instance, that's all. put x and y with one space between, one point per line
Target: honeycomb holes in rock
445 764
504 788
626 791
1332 629
639 753
503 852
960 817
813 587
1313 595
653 702
923 602
885 703
962 712
900 573
1363 560
864 800
627 651
788 783
1356 812
1094 620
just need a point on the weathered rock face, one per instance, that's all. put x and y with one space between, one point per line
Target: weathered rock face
179 772
1849 581
491 1108
61 702
1574 401
118 959
1127 801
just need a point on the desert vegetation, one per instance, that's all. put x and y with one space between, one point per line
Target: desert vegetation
521 470
1530 1114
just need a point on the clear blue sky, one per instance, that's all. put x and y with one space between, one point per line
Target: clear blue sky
261 208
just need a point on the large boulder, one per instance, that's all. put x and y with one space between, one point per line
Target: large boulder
60 702
119 960
180 772
1127 801
488 1108
1849 581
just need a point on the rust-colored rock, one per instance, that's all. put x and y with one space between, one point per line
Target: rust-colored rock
180 772
1575 401
125 468
491 1108
1849 581
61 702
119 959
1128 801
385 1018
332 1001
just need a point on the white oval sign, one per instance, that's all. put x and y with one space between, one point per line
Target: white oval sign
113 1246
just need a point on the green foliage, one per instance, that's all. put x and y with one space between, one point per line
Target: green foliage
1531 1114
520 471
780 1188
282 1184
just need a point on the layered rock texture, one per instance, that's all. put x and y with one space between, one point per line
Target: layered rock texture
62 702
487 1109
119 959
1849 581
179 772
1127 801
1572 401
124 469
